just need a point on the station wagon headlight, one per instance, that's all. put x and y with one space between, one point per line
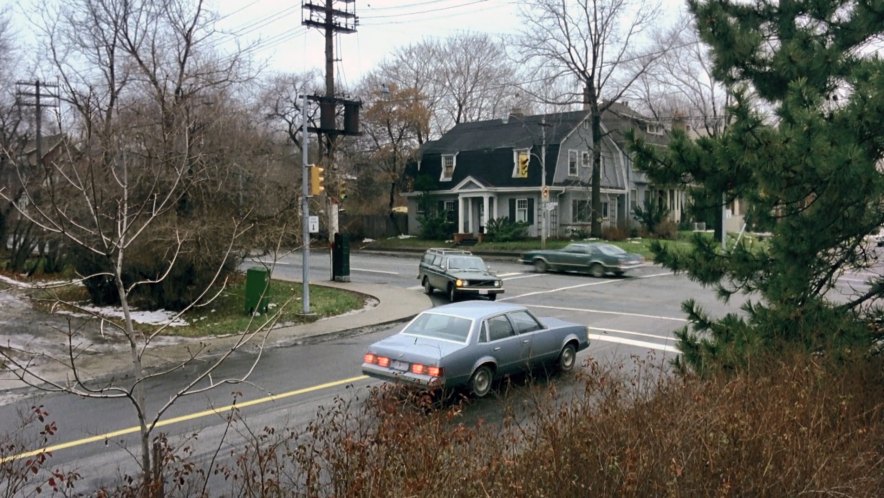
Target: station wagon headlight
460 283
497 283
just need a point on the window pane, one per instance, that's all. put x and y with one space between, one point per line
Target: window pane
451 328
524 322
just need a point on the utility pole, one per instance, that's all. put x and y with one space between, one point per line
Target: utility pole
40 92
335 16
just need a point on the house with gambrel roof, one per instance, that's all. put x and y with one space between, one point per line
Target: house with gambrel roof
514 167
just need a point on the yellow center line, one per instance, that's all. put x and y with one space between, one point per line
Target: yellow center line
182 418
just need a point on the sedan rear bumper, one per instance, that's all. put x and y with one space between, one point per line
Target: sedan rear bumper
403 377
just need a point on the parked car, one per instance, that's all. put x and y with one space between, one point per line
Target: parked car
471 344
458 273
596 258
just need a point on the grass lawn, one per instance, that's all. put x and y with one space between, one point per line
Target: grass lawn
637 245
226 314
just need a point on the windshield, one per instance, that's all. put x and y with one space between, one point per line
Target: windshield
438 326
468 263
612 250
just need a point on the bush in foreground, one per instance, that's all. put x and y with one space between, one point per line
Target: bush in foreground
789 426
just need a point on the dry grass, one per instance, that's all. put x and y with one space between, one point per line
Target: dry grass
793 426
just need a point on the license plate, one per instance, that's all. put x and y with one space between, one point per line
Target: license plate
400 365
483 292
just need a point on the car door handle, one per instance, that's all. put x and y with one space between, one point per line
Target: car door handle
497 348
526 341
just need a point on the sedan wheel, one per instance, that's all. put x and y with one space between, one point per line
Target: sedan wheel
596 270
567 358
452 295
540 266
480 382
428 289
492 297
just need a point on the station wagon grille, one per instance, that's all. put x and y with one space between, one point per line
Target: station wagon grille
481 283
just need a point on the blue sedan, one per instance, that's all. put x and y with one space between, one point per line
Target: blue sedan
471 344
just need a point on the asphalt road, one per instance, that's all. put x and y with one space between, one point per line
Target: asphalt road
631 319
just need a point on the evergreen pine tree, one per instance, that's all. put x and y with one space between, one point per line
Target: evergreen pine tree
810 169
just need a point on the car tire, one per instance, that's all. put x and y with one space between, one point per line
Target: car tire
428 289
567 358
618 273
540 266
597 270
452 294
492 297
480 382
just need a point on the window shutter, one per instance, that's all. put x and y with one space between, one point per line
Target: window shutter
512 210
440 208
530 211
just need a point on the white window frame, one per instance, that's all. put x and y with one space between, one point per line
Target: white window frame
575 209
655 129
522 210
445 157
572 163
450 208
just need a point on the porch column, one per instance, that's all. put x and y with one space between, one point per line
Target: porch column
460 216
486 205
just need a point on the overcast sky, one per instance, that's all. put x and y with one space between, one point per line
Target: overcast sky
383 26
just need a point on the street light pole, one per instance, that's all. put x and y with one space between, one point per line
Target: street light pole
543 193
305 212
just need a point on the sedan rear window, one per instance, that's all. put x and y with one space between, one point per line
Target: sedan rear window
611 250
438 326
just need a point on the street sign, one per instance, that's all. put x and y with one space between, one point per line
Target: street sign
551 206
313 224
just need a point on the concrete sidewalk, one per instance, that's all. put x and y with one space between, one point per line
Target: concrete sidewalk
386 304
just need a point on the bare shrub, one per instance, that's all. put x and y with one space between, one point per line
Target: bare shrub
789 426
614 233
666 229
24 472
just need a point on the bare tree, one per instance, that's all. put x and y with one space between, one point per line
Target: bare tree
281 102
681 88
596 42
467 77
10 119
141 193
393 123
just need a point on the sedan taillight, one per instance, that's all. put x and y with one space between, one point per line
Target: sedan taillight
421 369
381 361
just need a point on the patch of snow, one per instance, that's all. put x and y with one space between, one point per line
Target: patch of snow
37 285
158 317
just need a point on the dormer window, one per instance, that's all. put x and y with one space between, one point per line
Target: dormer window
447 167
572 163
655 129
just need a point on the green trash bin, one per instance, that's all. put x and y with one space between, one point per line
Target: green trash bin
257 290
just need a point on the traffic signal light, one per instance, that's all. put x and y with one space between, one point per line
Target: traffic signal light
317 180
524 158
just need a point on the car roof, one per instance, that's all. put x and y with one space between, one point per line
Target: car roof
443 250
475 309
